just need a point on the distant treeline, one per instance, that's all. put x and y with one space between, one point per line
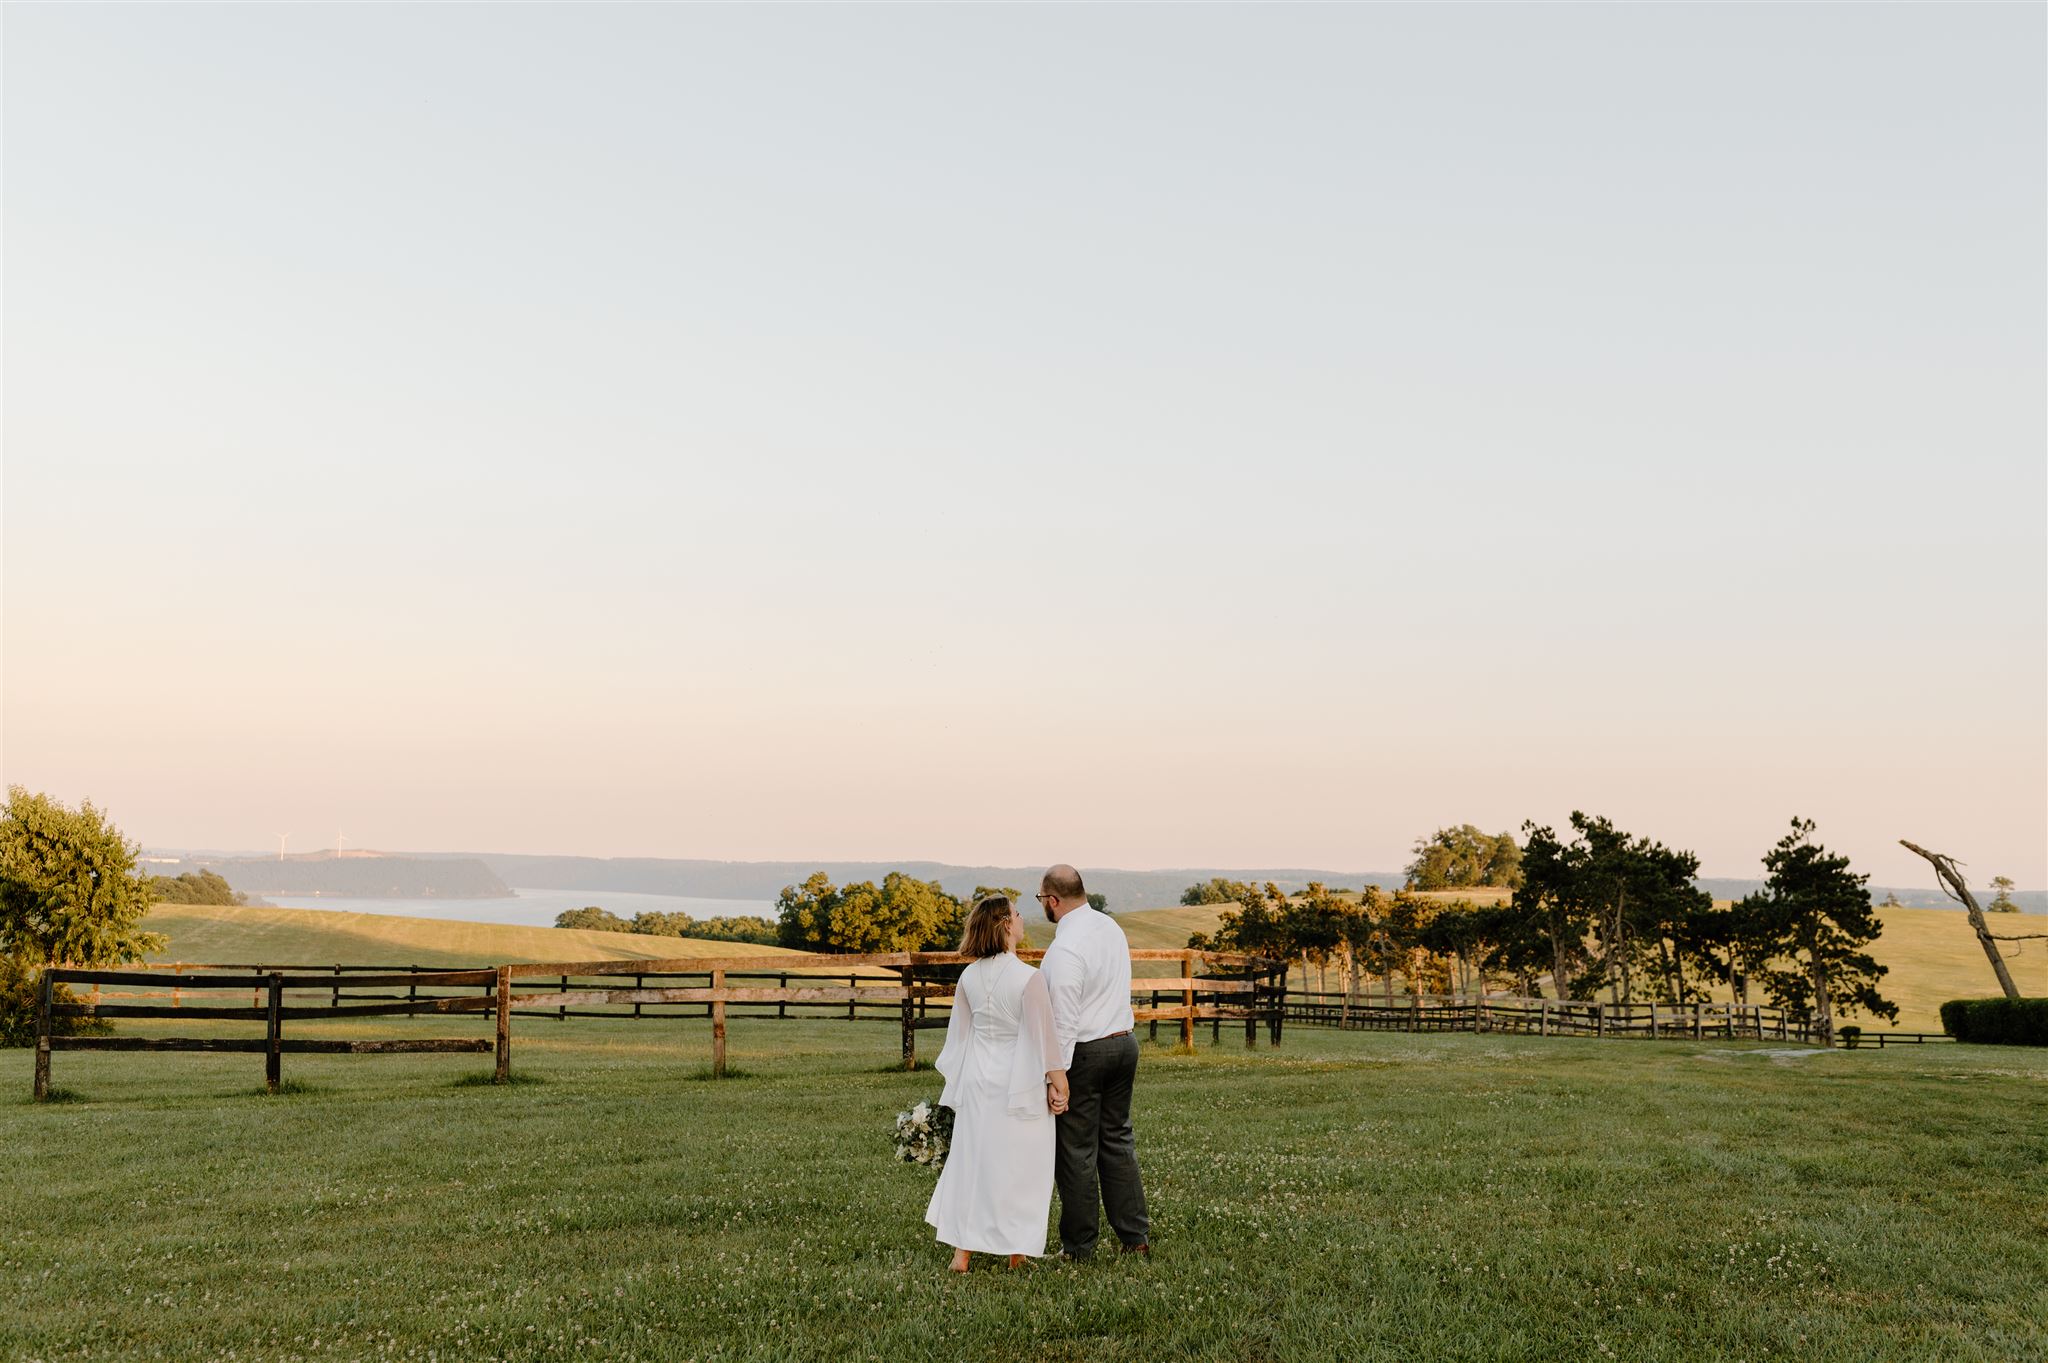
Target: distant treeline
195 887
651 924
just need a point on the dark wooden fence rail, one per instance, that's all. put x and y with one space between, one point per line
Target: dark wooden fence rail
903 987
1565 1017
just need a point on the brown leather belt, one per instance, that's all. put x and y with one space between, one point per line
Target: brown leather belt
1111 1037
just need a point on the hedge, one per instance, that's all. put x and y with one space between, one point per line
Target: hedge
2007 1022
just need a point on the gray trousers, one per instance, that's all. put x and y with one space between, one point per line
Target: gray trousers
1096 1161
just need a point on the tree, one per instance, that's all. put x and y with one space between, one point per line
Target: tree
1606 904
737 928
1809 925
1950 877
1218 891
2002 901
1257 927
902 914
69 895
1463 857
591 918
1891 900
1099 902
194 887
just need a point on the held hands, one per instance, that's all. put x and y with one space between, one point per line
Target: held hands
1056 1094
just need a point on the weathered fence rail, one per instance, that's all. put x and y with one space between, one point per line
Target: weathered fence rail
1568 1017
903 987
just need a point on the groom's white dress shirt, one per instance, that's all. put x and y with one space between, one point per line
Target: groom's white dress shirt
1088 970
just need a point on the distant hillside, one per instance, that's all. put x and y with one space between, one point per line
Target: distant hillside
355 876
765 879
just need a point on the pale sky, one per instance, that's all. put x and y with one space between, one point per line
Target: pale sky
1137 436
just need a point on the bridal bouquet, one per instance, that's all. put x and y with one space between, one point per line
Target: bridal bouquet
923 1133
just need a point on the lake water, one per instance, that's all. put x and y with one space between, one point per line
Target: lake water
531 908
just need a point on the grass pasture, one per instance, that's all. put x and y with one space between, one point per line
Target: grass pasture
1355 1196
248 936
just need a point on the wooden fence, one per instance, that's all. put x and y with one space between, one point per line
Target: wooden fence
1568 1017
913 989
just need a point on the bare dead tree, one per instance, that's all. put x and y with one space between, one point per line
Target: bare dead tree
1953 886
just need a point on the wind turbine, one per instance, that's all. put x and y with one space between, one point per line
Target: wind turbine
280 845
337 846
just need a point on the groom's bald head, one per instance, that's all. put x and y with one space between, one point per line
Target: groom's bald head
1065 882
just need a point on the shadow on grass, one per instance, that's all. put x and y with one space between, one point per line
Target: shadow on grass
923 1066
487 1080
731 1072
57 1095
289 1088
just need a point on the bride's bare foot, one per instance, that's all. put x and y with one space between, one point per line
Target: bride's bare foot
1016 1261
960 1260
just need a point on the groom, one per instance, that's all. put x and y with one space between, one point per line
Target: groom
1088 971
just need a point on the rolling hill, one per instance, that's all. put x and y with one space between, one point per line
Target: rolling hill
248 936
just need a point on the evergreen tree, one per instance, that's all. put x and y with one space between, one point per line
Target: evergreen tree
1806 929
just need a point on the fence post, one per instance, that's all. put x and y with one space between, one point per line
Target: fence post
782 1005
639 983
1277 1012
1479 1013
909 1022
1653 1022
1600 1020
1187 1000
562 1013
335 1000
718 1026
852 982
1543 1019
43 1002
503 1073
1251 1010
273 1053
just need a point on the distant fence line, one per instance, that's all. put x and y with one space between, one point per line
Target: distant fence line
1572 1017
901 986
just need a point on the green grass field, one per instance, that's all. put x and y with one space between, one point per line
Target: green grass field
1354 1196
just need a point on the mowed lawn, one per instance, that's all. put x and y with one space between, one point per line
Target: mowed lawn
1354 1196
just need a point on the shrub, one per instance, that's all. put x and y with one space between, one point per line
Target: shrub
20 987
1850 1035
1997 1022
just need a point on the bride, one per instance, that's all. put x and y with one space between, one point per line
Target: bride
996 1186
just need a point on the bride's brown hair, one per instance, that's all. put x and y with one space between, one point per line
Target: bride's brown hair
985 935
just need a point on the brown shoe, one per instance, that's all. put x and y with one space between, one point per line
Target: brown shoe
1144 1249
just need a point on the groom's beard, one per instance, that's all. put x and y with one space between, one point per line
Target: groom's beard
1050 916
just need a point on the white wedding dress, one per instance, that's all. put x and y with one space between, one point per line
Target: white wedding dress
995 1190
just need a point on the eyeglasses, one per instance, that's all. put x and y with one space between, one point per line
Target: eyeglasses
1043 897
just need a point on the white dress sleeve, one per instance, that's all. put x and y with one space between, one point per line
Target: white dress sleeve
952 1061
1038 1050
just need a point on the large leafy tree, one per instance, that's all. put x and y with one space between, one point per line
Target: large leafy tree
69 895
1605 905
1464 857
1805 930
1258 926
69 892
901 914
